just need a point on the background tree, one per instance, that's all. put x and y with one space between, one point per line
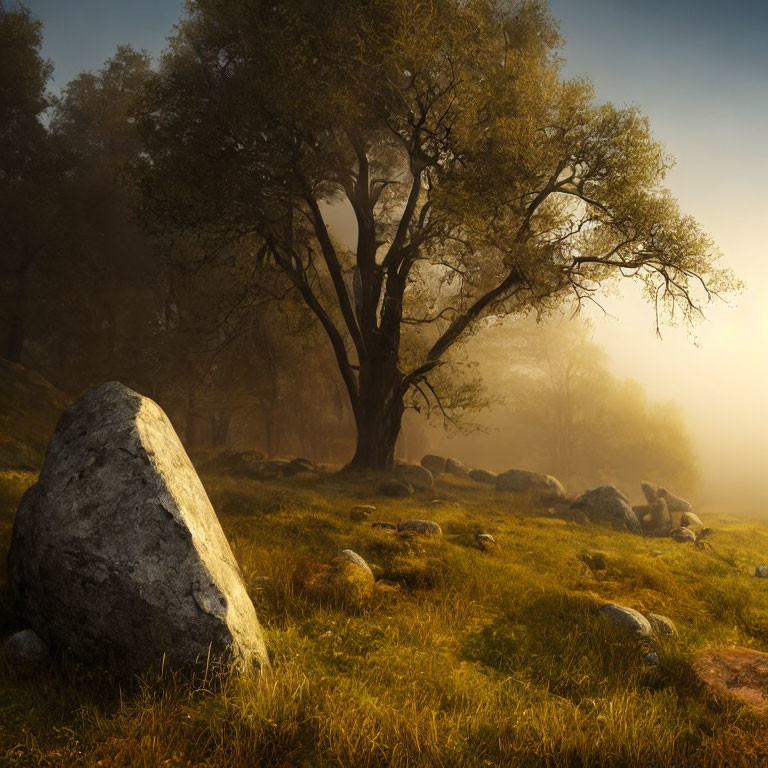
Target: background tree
481 183
562 411
28 168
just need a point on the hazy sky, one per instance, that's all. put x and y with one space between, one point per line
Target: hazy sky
699 69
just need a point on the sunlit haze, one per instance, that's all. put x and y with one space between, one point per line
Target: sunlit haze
699 70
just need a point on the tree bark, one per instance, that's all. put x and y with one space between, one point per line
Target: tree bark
379 414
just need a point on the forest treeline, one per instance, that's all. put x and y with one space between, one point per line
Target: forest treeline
91 293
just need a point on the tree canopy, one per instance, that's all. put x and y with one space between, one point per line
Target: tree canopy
481 182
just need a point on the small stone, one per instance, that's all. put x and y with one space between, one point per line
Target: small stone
662 626
414 474
487 543
360 512
761 572
425 527
384 526
688 519
435 464
25 647
355 559
683 535
627 618
456 468
651 659
543 487
483 476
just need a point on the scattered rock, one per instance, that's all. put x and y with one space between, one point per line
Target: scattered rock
674 503
544 487
435 464
395 489
236 463
704 533
384 526
271 469
25 648
689 519
342 581
739 674
456 468
662 626
483 476
627 618
299 466
116 552
487 543
355 559
605 504
761 572
683 535
426 527
360 512
415 475
598 560
654 518
651 659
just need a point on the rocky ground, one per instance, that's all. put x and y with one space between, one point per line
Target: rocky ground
483 638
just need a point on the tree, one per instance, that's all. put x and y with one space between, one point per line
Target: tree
27 167
480 181
564 412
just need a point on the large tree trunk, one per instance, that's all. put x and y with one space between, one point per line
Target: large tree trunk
379 415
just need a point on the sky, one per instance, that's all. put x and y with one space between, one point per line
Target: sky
699 70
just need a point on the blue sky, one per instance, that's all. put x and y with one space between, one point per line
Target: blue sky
699 69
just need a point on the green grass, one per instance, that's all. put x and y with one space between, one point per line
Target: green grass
465 659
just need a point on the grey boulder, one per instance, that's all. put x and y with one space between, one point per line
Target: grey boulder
674 503
483 476
435 464
116 552
355 559
607 505
24 648
689 519
414 474
627 619
456 468
661 625
683 535
543 487
425 527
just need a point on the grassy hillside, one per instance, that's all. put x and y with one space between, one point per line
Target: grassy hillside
460 658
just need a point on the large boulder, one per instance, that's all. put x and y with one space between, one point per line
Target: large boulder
415 475
674 503
116 552
435 464
543 487
607 505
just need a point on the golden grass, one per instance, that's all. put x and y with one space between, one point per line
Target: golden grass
475 660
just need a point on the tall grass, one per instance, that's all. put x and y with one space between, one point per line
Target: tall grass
466 659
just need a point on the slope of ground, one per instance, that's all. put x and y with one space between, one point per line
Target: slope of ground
465 659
